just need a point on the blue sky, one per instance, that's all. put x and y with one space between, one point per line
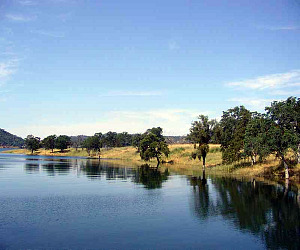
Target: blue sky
82 66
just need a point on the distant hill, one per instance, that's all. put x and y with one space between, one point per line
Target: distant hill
10 140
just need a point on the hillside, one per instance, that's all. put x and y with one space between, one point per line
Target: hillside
10 140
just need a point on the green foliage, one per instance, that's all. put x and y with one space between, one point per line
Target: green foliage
9 140
32 143
255 138
153 145
62 142
93 143
282 126
234 122
136 140
49 142
201 134
201 131
216 131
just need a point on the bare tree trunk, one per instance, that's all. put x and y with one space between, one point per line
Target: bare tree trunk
203 157
286 168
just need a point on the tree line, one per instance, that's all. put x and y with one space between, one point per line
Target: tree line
251 135
150 144
242 134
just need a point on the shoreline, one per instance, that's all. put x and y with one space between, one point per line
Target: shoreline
182 162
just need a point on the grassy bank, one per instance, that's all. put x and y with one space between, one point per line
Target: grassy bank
180 154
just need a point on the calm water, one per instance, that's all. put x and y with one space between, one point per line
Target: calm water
52 203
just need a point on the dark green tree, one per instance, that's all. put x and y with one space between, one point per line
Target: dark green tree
281 135
234 122
49 142
32 143
200 134
62 142
110 139
93 143
255 138
153 145
123 139
216 132
136 140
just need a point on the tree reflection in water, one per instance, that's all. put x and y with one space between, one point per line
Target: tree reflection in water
271 212
150 177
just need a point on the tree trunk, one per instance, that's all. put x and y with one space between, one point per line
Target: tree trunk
31 151
203 157
298 154
252 160
158 161
286 168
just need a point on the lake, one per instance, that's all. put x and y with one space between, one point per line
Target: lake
73 203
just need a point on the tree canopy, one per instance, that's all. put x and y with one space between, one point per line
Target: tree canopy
153 145
62 142
201 134
49 142
234 122
32 143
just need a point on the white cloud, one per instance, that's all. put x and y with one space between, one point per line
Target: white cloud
252 102
48 33
282 80
173 122
131 93
19 18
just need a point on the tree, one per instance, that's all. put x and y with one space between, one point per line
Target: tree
123 139
234 122
32 143
136 140
76 141
62 142
153 145
110 139
255 138
216 132
201 133
281 129
49 142
93 143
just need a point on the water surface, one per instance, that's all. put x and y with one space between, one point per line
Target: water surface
72 203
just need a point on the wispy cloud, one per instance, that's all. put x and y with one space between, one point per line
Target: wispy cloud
19 18
132 93
282 80
276 28
173 121
7 69
53 34
27 2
